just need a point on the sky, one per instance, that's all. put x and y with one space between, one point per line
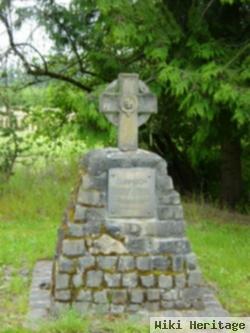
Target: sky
39 38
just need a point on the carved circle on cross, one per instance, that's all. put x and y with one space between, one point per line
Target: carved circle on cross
114 117
128 104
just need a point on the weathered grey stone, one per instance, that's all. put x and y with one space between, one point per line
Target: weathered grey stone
82 307
165 281
100 308
77 280
119 296
192 293
94 278
133 228
86 262
160 263
164 184
126 263
178 213
60 307
148 280
73 248
113 229
171 295
143 263
169 228
167 305
80 213
100 296
112 280
130 280
166 212
91 198
84 295
117 309
82 230
172 197
107 245
170 246
107 262
191 262
195 278
153 295
136 296
66 265
63 295
137 245
62 281
182 305
95 214
152 306
94 182
180 280
177 263
133 308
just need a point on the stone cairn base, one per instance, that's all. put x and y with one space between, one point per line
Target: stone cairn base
114 265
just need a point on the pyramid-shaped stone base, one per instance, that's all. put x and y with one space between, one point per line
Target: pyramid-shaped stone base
122 246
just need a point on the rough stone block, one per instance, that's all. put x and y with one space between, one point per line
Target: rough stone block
180 281
137 245
95 214
112 280
82 307
195 278
178 213
113 229
171 295
191 262
164 184
77 280
170 246
107 262
152 306
107 245
100 308
165 281
134 228
133 308
167 305
100 296
74 230
148 280
94 278
66 265
62 281
160 263
172 197
177 263
126 263
169 228
80 213
130 280
73 248
119 296
153 295
143 263
63 295
166 212
117 309
85 262
136 296
90 198
84 295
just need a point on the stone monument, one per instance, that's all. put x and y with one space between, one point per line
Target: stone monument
122 246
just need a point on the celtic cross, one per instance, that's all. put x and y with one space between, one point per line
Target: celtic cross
128 103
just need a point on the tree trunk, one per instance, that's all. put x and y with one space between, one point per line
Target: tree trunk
231 177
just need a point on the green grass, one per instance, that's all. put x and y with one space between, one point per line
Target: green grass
31 208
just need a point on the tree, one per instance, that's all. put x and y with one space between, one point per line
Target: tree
196 64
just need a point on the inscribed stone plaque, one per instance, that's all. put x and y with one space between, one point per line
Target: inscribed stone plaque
131 192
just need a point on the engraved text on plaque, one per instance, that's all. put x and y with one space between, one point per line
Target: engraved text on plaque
131 192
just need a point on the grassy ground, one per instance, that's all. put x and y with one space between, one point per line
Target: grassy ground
31 209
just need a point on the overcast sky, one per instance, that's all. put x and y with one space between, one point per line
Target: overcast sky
29 29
